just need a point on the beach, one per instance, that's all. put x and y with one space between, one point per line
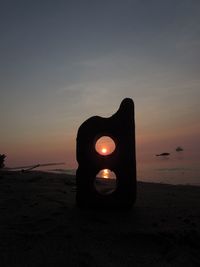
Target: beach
40 225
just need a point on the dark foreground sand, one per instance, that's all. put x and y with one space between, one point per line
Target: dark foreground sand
41 226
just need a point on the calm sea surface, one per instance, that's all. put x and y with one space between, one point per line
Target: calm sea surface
172 170
180 168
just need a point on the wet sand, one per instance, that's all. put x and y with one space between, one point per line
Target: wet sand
40 225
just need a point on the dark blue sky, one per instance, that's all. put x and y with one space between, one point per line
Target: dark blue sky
63 61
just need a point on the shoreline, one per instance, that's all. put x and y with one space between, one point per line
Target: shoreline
73 176
41 225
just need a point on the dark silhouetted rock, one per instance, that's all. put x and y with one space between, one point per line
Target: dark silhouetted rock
2 159
121 128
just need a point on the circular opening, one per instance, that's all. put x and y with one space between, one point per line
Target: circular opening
105 145
106 182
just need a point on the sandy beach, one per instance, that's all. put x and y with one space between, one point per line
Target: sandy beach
40 225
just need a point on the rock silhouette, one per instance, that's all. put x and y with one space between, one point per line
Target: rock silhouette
2 159
122 161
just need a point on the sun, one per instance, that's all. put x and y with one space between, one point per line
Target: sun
104 150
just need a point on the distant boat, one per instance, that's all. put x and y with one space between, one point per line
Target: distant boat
163 154
178 149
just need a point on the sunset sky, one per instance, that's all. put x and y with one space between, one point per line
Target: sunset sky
62 62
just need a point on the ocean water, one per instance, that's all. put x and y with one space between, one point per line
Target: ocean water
171 170
179 168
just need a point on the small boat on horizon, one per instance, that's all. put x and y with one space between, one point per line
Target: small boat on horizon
179 149
163 154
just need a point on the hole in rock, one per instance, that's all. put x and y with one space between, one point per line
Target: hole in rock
106 182
105 145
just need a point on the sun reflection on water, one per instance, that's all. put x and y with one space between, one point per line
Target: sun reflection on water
106 174
105 182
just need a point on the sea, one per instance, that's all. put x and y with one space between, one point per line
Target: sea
181 168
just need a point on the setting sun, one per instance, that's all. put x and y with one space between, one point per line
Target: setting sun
104 150
105 145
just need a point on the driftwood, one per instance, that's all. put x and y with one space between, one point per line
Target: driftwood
121 128
28 168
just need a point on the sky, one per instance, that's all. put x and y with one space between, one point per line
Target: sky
62 62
